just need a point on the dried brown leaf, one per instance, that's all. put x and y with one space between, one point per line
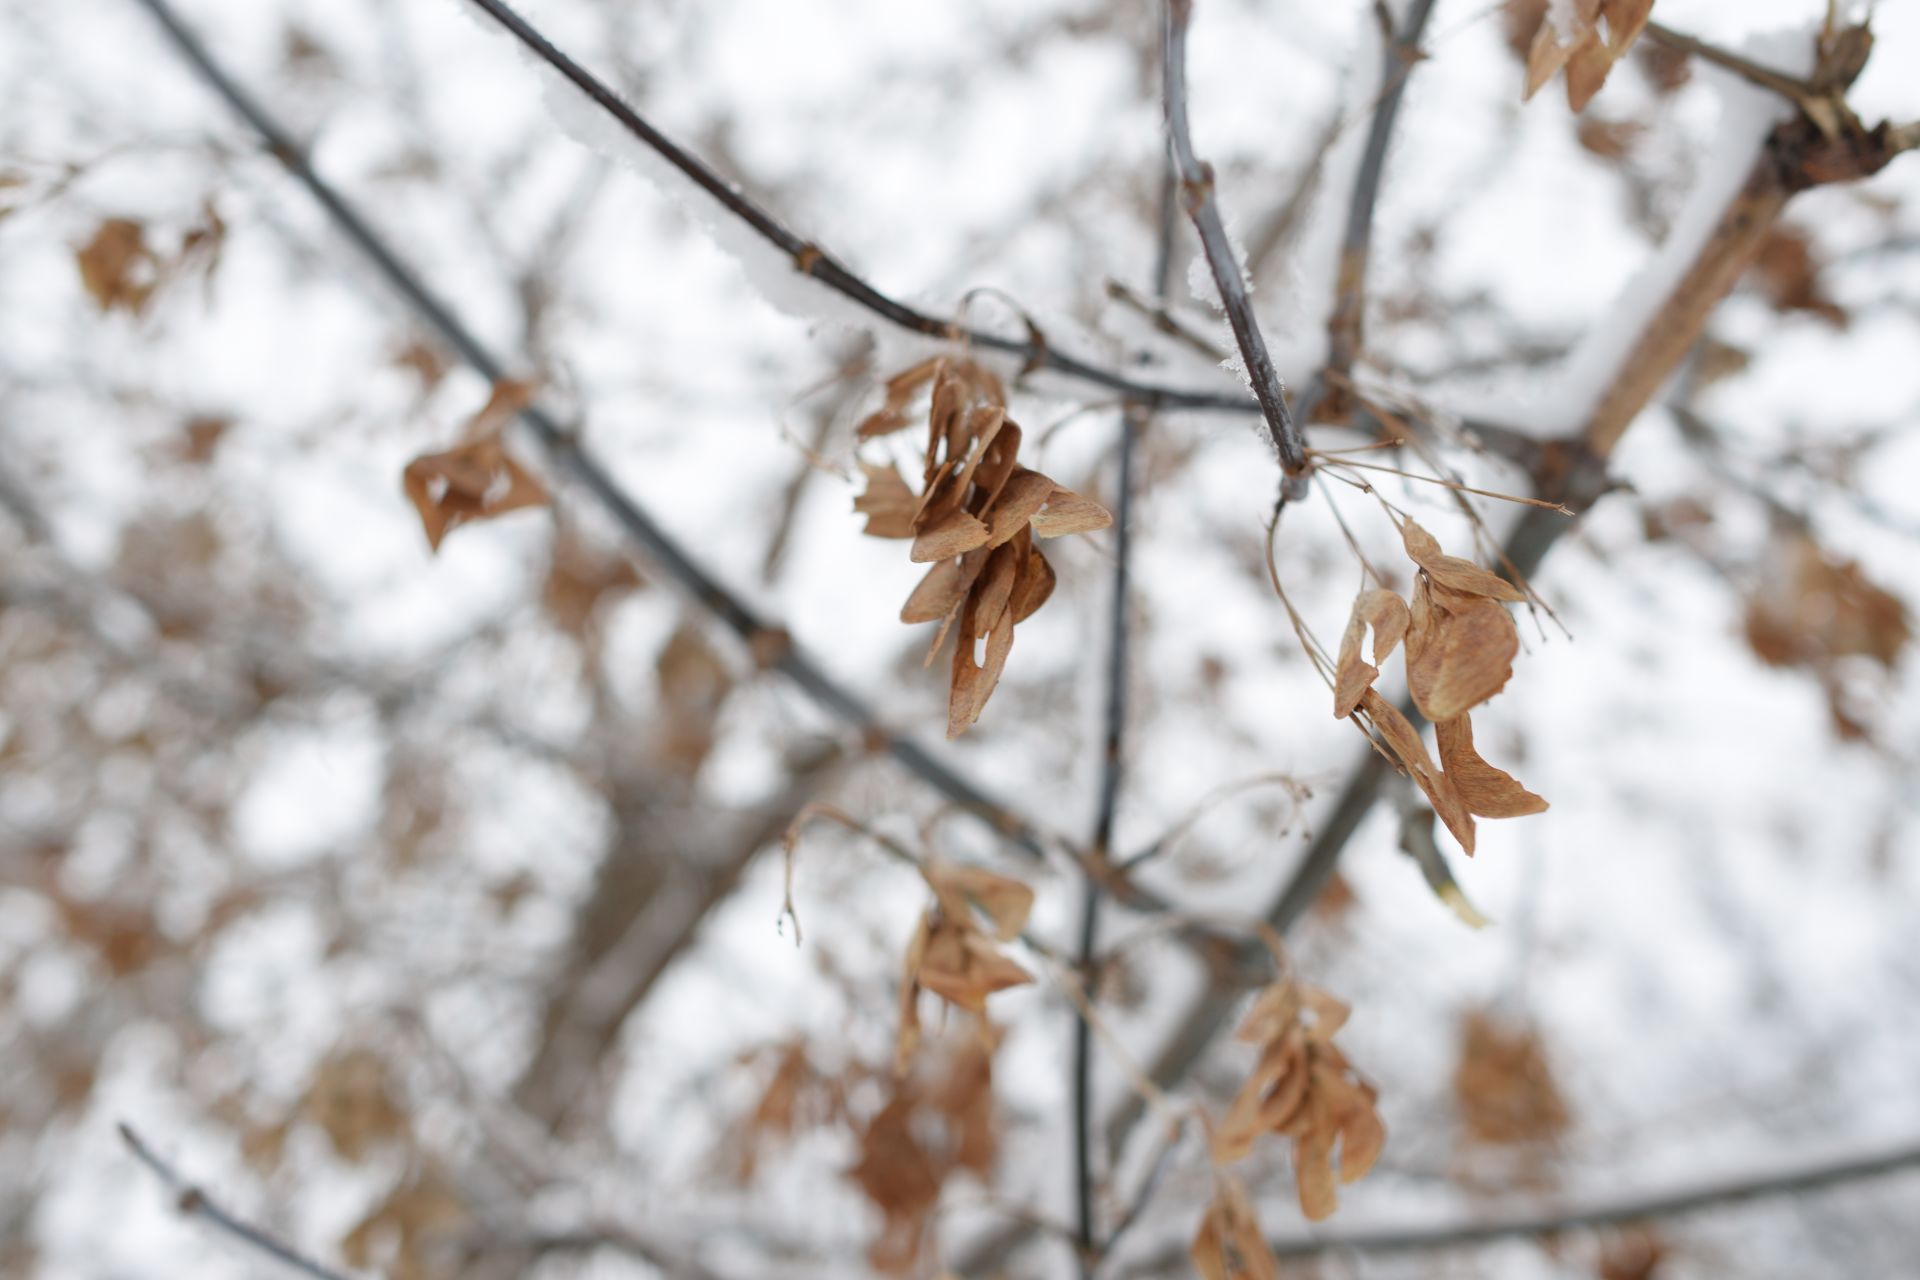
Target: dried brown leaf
1005 900
1229 1244
1460 651
1387 614
117 266
1546 56
1403 740
962 966
1504 1087
1485 790
694 682
1452 572
474 481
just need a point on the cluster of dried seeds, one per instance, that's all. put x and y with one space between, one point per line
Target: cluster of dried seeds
952 956
1460 642
975 520
1579 47
1303 1088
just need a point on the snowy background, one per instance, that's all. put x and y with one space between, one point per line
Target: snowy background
278 786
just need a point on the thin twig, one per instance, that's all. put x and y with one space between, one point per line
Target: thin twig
1149 1187
195 1203
1514 498
1113 740
811 260
1196 191
767 641
1401 48
1168 838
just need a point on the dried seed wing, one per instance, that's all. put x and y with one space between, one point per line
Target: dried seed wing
1387 614
1404 741
887 502
1068 512
954 534
1025 493
1484 789
1352 676
1465 656
938 594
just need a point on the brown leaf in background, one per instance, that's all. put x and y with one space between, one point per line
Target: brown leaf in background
477 479
694 682
349 1101
426 360
1004 900
1230 1244
118 268
1812 608
1789 273
1503 1086
1632 1253
201 437
1303 1088
902 1180
413 1233
1485 790
581 578
901 390
939 1120
797 1096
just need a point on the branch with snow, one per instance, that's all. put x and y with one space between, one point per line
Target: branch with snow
803 258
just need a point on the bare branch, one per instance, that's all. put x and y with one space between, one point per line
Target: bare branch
1402 49
195 1203
1196 191
811 260
1814 1175
1133 421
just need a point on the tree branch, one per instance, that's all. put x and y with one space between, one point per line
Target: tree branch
1673 1203
1196 191
1573 472
770 644
195 1203
1401 50
811 260
1133 421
